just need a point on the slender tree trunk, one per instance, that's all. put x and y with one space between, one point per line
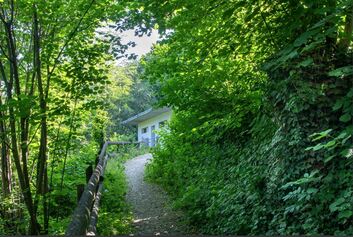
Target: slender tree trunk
6 170
14 83
25 188
42 179
46 201
5 160
68 144
6 175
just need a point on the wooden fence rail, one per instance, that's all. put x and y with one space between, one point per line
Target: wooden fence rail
85 216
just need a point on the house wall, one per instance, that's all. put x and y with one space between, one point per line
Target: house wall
148 137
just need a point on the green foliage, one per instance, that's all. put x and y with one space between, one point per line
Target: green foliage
132 96
64 198
54 85
58 227
261 141
215 184
12 217
115 216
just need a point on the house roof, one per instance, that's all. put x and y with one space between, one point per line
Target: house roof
147 114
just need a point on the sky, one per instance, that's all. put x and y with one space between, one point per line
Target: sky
143 44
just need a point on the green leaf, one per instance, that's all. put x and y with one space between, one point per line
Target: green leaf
309 148
335 205
345 118
303 38
345 139
343 71
312 46
318 147
342 135
330 143
329 158
318 136
350 94
346 153
337 105
306 62
312 190
345 214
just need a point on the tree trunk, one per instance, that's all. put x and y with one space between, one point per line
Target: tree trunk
24 185
42 157
46 201
68 144
348 30
5 161
14 83
5 158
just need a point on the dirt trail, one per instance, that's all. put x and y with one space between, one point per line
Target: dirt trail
152 215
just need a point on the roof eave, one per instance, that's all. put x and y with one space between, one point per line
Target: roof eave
135 119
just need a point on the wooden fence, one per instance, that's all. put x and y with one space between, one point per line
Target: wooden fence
85 217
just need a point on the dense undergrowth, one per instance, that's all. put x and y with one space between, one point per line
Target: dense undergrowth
63 199
61 94
115 216
262 92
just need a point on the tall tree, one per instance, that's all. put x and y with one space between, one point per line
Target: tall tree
35 42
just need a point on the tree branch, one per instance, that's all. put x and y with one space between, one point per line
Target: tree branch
2 71
70 37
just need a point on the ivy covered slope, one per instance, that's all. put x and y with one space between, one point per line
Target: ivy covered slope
261 140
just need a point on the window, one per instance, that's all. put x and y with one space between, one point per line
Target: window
162 124
144 130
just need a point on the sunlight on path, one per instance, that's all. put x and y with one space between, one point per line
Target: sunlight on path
152 215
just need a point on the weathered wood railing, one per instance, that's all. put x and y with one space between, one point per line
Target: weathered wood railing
85 216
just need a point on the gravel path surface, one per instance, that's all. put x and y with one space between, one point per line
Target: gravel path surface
152 213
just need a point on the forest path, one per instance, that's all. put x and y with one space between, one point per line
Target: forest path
151 206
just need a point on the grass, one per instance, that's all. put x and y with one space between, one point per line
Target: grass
114 215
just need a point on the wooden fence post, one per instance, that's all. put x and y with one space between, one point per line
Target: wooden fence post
89 172
80 189
85 216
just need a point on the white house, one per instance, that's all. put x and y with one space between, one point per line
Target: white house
148 122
